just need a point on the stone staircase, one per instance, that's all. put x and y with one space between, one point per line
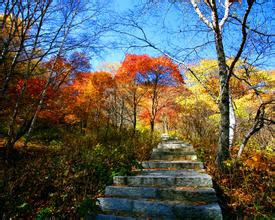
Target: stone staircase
172 185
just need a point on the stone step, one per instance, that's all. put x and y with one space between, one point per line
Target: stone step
165 137
173 164
186 194
173 172
173 145
164 179
174 141
174 150
160 209
172 185
173 156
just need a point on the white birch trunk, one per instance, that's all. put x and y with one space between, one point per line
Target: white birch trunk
232 123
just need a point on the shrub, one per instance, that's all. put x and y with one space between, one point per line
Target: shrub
70 177
245 191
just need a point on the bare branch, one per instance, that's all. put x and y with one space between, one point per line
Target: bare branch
259 122
200 14
251 29
227 5
244 38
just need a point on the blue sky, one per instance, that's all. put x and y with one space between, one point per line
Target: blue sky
171 39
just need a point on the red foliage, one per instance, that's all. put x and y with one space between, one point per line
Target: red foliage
145 69
34 88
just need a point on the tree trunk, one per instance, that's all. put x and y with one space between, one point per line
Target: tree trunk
165 124
223 146
152 125
246 139
232 122
107 128
121 116
135 113
258 125
135 121
154 103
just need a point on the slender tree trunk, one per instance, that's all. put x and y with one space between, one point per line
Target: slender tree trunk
223 146
135 113
225 72
165 124
232 122
154 103
135 121
258 125
49 81
121 116
152 126
115 109
245 141
107 128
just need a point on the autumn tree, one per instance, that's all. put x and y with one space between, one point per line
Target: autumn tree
90 95
32 32
66 70
160 77
218 19
251 97
148 77
130 91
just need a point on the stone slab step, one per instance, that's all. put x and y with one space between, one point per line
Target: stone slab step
162 180
165 137
173 145
173 141
186 194
174 150
160 209
173 164
173 156
173 173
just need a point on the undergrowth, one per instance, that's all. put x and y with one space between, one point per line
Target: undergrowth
245 190
65 178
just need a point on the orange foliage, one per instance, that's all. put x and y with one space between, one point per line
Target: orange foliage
88 91
142 68
159 81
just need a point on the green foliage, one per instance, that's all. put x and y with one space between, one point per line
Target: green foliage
3 129
45 133
87 207
55 145
44 214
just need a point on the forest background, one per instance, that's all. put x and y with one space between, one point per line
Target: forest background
70 122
